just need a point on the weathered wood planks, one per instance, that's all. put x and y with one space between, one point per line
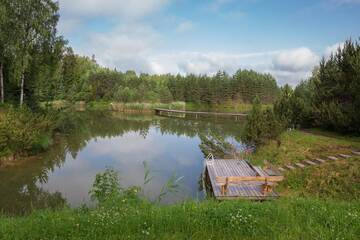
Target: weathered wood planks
239 179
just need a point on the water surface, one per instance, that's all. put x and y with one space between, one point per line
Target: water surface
97 140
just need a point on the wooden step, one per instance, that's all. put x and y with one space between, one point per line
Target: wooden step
300 165
344 155
282 169
319 160
356 153
290 167
310 162
332 158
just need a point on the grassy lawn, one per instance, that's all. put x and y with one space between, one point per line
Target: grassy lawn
338 180
298 145
286 218
231 107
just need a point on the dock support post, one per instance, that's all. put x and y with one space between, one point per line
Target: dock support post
224 188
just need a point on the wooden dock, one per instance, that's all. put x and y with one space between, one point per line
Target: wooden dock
232 179
183 113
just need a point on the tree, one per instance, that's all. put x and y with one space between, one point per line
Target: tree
337 88
33 22
261 126
4 46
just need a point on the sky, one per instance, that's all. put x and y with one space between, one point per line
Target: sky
285 38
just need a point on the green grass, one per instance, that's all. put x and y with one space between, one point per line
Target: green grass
339 180
298 145
232 107
118 106
282 219
136 106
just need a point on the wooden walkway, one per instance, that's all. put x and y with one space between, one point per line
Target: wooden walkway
161 111
317 161
231 179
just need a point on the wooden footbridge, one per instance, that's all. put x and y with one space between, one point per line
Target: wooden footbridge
231 179
183 113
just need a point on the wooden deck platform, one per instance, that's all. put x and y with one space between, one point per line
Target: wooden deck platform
231 179
161 111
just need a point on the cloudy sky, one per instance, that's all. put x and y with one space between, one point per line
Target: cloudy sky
284 38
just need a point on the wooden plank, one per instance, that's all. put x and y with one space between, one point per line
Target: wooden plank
310 162
356 153
282 169
319 160
300 165
344 155
240 179
260 171
290 167
332 158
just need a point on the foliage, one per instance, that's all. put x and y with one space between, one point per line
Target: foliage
261 126
337 88
290 108
106 184
22 131
287 218
330 98
296 146
334 180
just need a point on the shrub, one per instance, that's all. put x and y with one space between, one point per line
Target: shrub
22 131
261 126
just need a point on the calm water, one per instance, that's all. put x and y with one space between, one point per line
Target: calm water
96 140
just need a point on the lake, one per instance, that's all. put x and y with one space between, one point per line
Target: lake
94 141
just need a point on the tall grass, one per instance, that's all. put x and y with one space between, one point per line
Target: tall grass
124 214
232 107
129 219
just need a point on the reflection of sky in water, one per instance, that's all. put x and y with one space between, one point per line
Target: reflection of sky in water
165 154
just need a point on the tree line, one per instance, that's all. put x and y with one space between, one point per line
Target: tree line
329 99
36 64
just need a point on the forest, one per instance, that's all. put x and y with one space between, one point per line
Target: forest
38 65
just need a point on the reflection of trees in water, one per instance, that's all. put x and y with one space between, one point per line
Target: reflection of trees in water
19 190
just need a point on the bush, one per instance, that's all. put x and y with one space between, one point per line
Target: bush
22 131
261 126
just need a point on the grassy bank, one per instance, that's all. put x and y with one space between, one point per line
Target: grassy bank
131 219
230 107
338 180
148 107
296 146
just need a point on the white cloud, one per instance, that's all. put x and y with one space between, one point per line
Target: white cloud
68 25
185 26
333 48
133 44
138 51
113 8
301 59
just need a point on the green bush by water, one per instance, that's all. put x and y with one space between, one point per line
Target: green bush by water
23 131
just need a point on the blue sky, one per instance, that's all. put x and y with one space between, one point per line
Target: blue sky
284 38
